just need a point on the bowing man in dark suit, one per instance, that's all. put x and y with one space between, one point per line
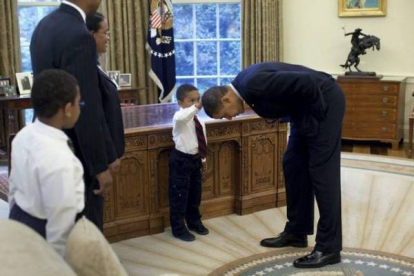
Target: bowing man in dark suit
99 29
61 40
316 106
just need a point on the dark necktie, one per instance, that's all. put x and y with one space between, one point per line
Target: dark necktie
202 145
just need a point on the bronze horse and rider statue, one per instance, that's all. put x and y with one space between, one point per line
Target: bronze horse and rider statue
360 43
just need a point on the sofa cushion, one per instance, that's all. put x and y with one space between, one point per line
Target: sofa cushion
24 252
89 253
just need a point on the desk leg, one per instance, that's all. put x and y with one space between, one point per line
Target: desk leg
13 117
410 137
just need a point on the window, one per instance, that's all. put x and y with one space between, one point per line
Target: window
207 42
207 38
30 13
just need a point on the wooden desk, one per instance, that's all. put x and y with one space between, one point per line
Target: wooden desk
244 170
10 123
13 104
130 93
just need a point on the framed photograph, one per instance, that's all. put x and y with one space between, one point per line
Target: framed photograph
24 82
125 80
4 81
114 76
8 90
357 8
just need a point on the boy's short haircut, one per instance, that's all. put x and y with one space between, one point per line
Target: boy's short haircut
183 90
52 89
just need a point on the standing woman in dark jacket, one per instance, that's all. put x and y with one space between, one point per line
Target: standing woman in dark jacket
99 29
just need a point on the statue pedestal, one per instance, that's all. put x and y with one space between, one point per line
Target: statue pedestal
371 74
360 75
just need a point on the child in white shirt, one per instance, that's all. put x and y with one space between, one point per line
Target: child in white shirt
46 180
186 162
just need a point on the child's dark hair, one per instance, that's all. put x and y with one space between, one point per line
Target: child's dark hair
52 89
93 21
183 90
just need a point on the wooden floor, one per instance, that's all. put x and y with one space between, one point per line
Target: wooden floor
377 208
374 148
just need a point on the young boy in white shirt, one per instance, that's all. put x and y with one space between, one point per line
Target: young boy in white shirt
187 160
46 180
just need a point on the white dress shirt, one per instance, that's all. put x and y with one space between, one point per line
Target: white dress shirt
77 8
46 180
184 133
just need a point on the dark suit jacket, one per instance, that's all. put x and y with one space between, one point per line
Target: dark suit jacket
276 90
113 114
61 40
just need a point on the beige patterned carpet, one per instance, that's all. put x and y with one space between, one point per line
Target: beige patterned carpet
355 262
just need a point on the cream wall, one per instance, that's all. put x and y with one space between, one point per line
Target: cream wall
313 36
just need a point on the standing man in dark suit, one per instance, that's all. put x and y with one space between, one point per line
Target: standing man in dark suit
316 106
61 40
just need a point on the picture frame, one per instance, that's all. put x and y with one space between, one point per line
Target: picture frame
362 8
5 81
114 76
8 90
24 83
125 80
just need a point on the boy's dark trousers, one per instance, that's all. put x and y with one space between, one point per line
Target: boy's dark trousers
184 190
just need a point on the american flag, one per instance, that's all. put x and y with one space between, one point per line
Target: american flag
160 45
156 21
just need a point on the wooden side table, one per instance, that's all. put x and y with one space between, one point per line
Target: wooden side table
374 109
410 135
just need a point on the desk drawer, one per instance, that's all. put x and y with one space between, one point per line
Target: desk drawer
374 115
371 100
369 130
381 88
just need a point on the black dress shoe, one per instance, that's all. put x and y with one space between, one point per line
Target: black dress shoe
285 239
317 259
199 229
184 236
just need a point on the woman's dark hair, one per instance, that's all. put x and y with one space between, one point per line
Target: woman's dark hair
52 89
93 21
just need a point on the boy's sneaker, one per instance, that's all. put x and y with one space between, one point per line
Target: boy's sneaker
199 229
185 236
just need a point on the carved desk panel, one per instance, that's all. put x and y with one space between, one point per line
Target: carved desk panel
244 170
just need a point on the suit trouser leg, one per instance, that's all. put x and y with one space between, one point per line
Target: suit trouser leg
93 203
299 191
178 189
325 172
192 214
